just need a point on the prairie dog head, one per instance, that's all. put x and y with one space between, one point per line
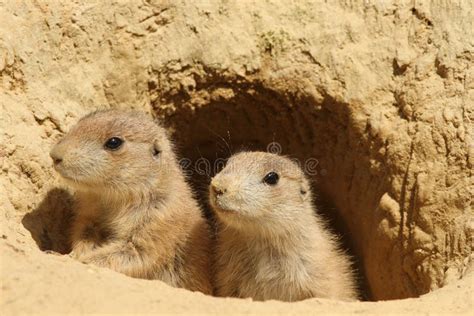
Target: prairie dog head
116 152
260 188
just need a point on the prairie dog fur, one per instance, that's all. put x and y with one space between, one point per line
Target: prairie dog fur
270 242
135 213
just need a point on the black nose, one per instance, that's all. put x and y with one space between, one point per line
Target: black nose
56 158
217 191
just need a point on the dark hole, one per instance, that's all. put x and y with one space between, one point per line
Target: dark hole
256 118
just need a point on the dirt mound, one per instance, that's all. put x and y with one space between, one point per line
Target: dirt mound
374 99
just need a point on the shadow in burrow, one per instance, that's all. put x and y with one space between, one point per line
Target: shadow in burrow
50 223
257 118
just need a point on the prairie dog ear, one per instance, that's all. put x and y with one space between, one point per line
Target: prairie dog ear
156 149
305 190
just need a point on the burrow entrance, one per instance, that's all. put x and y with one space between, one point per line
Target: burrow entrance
220 117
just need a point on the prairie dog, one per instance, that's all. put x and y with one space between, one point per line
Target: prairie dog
135 213
270 242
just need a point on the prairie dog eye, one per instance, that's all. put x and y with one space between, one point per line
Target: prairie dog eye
271 178
113 143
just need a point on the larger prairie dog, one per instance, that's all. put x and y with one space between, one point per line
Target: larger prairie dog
270 242
135 212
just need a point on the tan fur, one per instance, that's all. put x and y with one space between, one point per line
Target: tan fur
270 242
135 213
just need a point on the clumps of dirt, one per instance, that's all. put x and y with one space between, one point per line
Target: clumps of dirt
378 94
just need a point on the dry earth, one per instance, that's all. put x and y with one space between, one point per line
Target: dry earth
376 98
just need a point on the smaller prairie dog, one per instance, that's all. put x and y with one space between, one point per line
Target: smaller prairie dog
135 213
270 242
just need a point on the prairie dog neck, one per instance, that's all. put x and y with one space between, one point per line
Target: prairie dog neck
298 234
123 208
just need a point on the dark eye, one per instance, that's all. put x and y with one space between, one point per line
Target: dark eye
113 143
271 178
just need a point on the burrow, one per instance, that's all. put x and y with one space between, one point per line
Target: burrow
219 115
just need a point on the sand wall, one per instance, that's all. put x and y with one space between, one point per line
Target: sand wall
379 97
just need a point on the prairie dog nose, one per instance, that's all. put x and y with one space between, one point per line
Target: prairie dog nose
217 189
56 156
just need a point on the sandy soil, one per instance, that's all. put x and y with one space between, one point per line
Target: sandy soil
378 97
